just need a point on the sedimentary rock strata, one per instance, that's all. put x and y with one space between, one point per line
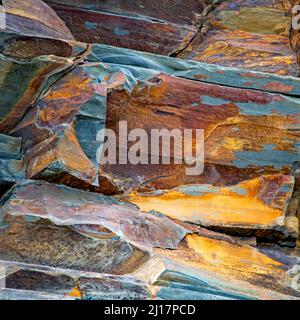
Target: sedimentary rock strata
254 34
133 25
256 207
74 226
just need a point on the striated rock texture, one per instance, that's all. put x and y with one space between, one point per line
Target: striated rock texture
61 132
73 226
66 206
12 166
255 207
151 26
246 34
32 31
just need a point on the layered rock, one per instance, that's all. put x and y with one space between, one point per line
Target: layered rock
255 207
167 234
242 270
32 31
141 26
61 132
68 206
246 132
250 34
12 166
63 236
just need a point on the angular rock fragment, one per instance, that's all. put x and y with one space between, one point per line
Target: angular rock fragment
65 206
22 82
214 269
38 241
72 285
133 25
142 62
34 18
188 9
33 29
62 132
247 34
34 51
12 166
245 131
241 113
256 207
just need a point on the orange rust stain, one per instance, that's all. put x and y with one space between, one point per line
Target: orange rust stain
29 95
226 207
68 91
68 151
75 293
223 253
234 144
225 261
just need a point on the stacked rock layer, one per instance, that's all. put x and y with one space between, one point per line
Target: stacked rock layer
73 227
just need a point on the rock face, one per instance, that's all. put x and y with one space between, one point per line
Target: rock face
255 207
250 34
66 206
254 34
74 226
12 166
133 25
31 31
60 131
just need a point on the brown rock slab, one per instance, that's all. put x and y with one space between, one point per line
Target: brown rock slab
247 34
216 269
257 207
66 206
61 132
133 25
246 132
71 285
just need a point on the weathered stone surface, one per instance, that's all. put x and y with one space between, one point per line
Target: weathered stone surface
72 284
71 207
12 166
34 18
245 131
129 32
32 31
58 95
21 84
247 34
215 269
38 241
133 25
188 9
254 207
60 133
236 114
295 32
141 62
64 248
